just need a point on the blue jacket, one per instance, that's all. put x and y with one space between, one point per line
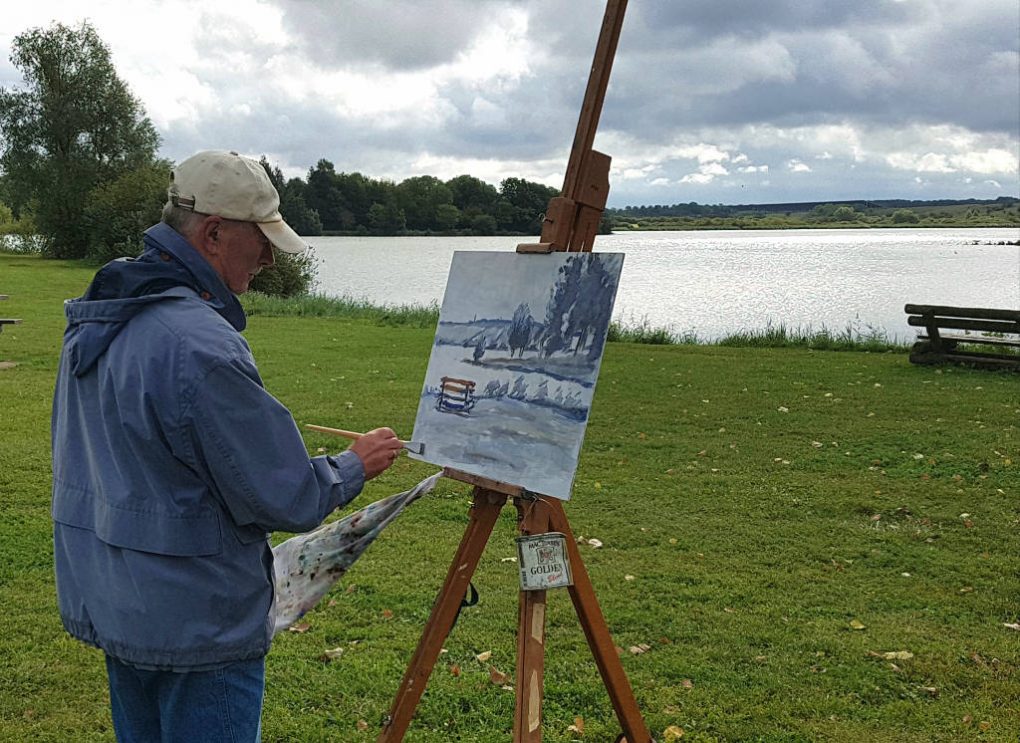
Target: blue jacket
171 463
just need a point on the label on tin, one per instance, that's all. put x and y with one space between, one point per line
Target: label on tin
543 562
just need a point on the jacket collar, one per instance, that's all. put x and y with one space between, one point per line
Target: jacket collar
210 287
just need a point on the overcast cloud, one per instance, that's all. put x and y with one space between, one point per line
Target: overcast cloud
733 101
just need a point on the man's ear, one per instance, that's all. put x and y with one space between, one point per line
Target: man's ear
210 233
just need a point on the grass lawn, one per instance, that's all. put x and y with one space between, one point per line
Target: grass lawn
774 522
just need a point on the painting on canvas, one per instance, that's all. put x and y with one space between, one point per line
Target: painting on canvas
513 366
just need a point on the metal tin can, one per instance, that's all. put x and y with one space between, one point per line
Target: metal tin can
544 562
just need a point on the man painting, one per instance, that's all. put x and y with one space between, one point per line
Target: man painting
171 463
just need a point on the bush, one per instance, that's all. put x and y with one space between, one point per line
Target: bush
19 235
116 213
905 216
291 276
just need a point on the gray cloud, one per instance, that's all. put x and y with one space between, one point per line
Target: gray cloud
397 34
710 100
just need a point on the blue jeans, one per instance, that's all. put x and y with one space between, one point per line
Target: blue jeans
220 706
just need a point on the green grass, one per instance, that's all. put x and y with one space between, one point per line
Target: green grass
762 499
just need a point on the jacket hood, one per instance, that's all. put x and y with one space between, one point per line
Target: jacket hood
167 269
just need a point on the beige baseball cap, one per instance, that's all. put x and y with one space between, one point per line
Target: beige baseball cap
232 186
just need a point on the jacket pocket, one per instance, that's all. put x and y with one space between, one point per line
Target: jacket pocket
175 535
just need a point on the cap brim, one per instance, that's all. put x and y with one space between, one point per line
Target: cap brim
283 237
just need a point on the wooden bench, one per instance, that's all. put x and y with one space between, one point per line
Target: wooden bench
8 321
988 336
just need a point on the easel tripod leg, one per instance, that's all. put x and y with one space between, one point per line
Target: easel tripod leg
530 640
586 604
484 512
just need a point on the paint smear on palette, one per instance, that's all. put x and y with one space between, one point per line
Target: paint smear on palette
514 363
305 567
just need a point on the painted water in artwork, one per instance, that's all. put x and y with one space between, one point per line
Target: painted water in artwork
513 366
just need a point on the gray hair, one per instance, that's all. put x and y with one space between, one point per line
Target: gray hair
183 220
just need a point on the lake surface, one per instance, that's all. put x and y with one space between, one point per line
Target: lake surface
716 282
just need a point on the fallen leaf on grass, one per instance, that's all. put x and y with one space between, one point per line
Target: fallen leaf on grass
984 726
497 677
673 732
595 543
482 657
1015 626
857 624
455 670
300 628
931 690
362 725
330 655
628 577
687 684
577 727
387 614
898 655
639 649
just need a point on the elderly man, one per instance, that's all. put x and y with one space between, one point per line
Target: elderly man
171 463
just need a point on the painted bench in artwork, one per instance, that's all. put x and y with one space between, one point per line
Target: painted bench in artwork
456 395
991 337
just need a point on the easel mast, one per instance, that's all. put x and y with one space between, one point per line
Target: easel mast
571 224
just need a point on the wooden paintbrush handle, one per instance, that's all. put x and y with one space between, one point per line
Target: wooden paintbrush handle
335 431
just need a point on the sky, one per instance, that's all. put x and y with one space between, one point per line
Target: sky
713 101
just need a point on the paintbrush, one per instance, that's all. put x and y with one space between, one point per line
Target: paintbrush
414 447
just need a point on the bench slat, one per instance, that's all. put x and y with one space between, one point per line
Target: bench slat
991 326
971 312
973 339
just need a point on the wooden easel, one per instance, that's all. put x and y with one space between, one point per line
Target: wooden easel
571 223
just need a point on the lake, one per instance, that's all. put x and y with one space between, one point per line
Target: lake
716 282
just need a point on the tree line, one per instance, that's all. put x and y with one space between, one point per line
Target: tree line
331 202
80 174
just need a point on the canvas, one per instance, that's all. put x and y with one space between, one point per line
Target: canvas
513 366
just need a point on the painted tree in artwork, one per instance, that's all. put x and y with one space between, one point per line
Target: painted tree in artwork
578 311
564 295
593 308
520 329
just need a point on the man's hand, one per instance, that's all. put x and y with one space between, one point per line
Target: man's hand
377 449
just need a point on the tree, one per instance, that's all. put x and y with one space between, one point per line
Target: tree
420 197
293 208
472 193
73 126
386 219
323 194
529 201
